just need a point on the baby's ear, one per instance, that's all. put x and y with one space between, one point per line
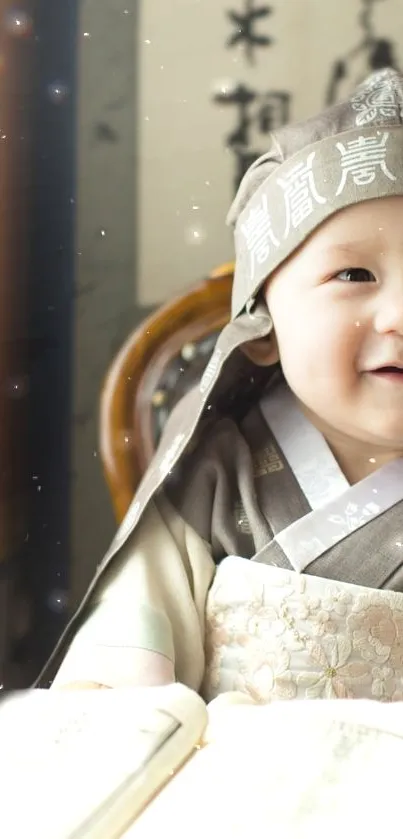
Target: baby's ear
263 352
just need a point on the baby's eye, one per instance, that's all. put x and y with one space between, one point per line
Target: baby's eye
356 275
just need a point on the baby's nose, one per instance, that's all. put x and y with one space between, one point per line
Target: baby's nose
388 317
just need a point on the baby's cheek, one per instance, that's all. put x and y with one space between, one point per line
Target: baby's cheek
298 351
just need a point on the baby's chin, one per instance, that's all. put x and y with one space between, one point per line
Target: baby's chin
384 424
369 430
385 438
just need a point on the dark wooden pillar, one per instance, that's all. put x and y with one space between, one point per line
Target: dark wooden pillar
17 46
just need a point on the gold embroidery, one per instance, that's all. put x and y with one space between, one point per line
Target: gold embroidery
265 461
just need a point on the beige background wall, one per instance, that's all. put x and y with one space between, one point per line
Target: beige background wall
185 174
155 178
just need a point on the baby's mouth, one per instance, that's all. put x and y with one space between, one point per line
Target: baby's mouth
389 371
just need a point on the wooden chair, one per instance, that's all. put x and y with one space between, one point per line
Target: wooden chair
157 365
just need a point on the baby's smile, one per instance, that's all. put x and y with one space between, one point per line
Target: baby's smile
389 373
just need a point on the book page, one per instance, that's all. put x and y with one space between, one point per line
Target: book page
299 769
84 763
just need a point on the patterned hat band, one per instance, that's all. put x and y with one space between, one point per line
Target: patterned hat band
313 184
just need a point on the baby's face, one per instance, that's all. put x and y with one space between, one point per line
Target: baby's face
337 308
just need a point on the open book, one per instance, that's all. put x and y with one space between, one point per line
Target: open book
78 764
140 764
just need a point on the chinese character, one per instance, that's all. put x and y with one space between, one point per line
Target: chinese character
245 22
274 111
300 193
270 111
360 159
210 371
170 456
241 96
266 461
377 99
243 162
377 53
258 233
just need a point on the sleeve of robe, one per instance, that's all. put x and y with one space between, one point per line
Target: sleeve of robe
152 598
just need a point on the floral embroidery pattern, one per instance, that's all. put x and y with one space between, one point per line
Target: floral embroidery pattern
354 517
275 634
335 676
